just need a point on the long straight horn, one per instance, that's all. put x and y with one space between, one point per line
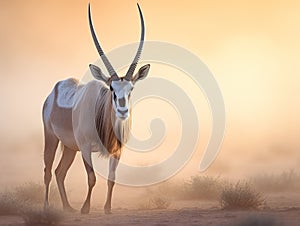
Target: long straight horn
132 67
107 64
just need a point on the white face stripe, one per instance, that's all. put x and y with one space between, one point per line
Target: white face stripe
121 89
121 85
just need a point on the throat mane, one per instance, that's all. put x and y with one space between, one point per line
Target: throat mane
112 131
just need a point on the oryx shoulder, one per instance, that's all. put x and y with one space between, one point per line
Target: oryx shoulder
65 92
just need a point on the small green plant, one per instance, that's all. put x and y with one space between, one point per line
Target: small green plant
241 196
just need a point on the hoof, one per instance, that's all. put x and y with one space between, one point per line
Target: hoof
46 207
85 210
69 209
107 211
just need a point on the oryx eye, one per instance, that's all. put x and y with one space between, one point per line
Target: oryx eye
115 96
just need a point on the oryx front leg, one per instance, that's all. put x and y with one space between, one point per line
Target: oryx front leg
91 182
113 163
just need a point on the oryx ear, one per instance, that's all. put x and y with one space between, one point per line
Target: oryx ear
97 73
141 74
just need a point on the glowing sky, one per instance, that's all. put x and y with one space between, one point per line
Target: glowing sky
252 48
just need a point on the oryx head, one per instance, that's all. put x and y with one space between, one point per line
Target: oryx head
120 87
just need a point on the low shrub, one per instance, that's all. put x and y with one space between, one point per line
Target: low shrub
202 187
155 202
241 195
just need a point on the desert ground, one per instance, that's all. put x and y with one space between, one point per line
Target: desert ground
165 204
182 213
186 216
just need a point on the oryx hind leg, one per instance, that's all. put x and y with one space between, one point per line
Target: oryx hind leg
61 172
50 147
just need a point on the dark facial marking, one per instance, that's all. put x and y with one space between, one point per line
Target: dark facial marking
122 102
123 112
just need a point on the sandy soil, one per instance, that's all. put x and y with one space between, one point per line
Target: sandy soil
185 216
188 216
281 212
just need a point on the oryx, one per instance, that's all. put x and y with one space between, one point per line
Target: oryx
111 117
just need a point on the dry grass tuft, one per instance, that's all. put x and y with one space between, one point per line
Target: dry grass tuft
38 217
155 202
34 193
202 187
27 201
286 181
160 202
8 204
241 196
